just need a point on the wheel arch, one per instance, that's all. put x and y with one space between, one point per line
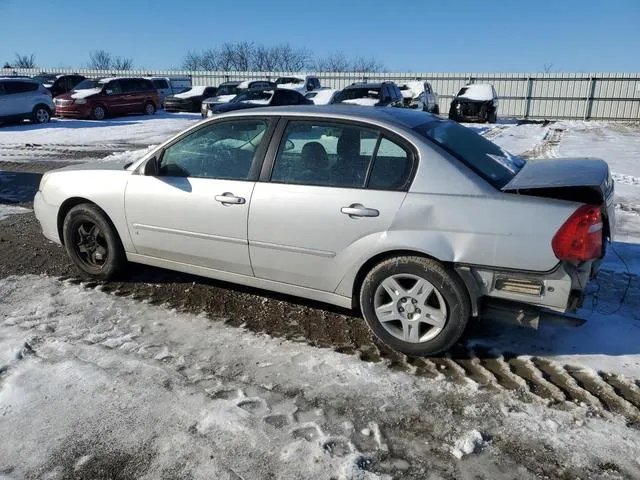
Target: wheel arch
366 267
68 204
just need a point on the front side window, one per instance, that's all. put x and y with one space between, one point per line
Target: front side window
115 87
20 87
358 93
340 155
87 84
220 151
487 159
228 90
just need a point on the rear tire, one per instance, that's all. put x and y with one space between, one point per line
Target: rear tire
99 112
41 114
415 305
149 108
93 243
492 117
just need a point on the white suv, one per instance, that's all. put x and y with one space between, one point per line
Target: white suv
24 98
300 83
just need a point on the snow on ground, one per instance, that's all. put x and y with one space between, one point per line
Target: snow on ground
6 210
93 385
62 137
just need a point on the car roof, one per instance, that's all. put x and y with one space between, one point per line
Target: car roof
19 79
233 83
403 117
366 85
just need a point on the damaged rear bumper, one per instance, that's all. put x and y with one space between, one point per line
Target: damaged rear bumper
560 290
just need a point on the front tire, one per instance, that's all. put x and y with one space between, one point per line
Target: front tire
415 305
493 116
41 114
93 243
436 110
99 112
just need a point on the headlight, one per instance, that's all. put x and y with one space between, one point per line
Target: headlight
80 101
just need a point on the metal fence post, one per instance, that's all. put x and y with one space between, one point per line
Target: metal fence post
588 102
527 105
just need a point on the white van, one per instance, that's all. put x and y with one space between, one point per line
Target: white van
170 86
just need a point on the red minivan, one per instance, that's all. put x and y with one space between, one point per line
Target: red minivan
105 97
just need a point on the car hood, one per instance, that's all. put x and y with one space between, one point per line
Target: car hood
85 93
95 166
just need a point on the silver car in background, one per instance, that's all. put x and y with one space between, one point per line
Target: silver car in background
25 99
417 222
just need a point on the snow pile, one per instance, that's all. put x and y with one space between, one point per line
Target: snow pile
6 210
367 102
467 444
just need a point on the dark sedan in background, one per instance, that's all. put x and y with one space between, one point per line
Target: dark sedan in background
261 97
190 100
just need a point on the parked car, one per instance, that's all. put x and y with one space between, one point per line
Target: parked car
24 98
300 83
418 222
383 94
477 102
227 91
420 95
167 86
190 100
261 97
105 97
324 96
60 84
45 77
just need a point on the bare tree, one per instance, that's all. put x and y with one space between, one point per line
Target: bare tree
546 68
334 62
100 60
7 65
288 58
122 63
192 61
241 54
361 64
25 61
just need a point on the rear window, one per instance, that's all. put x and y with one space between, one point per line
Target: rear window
87 84
228 90
487 159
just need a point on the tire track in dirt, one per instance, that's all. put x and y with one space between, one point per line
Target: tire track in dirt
548 148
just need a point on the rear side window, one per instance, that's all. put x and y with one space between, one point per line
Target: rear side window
20 87
115 87
160 84
392 166
495 165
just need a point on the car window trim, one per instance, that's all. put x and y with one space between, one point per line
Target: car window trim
278 136
258 157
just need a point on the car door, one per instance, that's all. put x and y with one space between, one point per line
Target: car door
133 95
115 98
194 208
327 199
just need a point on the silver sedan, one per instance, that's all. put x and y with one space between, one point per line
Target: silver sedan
415 221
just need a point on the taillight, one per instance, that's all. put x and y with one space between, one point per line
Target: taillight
580 238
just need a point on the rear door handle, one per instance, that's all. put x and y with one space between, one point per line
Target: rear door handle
228 198
356 210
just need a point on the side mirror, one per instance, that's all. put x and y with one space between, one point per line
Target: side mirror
152 168
109 92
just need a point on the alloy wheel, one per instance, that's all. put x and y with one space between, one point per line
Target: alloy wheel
410 308
90 244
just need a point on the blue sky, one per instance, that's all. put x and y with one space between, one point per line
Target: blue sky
418 35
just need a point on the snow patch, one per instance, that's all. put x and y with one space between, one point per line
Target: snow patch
367 102
6 210
467 444
192 92
85 92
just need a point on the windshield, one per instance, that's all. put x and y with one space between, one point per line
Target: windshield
87 84
487 159
257 96
227 90
354 93
287 80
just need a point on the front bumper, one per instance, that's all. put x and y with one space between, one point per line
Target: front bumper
73 110
47 215
178 107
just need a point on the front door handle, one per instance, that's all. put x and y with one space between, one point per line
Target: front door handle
356 210
228 198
